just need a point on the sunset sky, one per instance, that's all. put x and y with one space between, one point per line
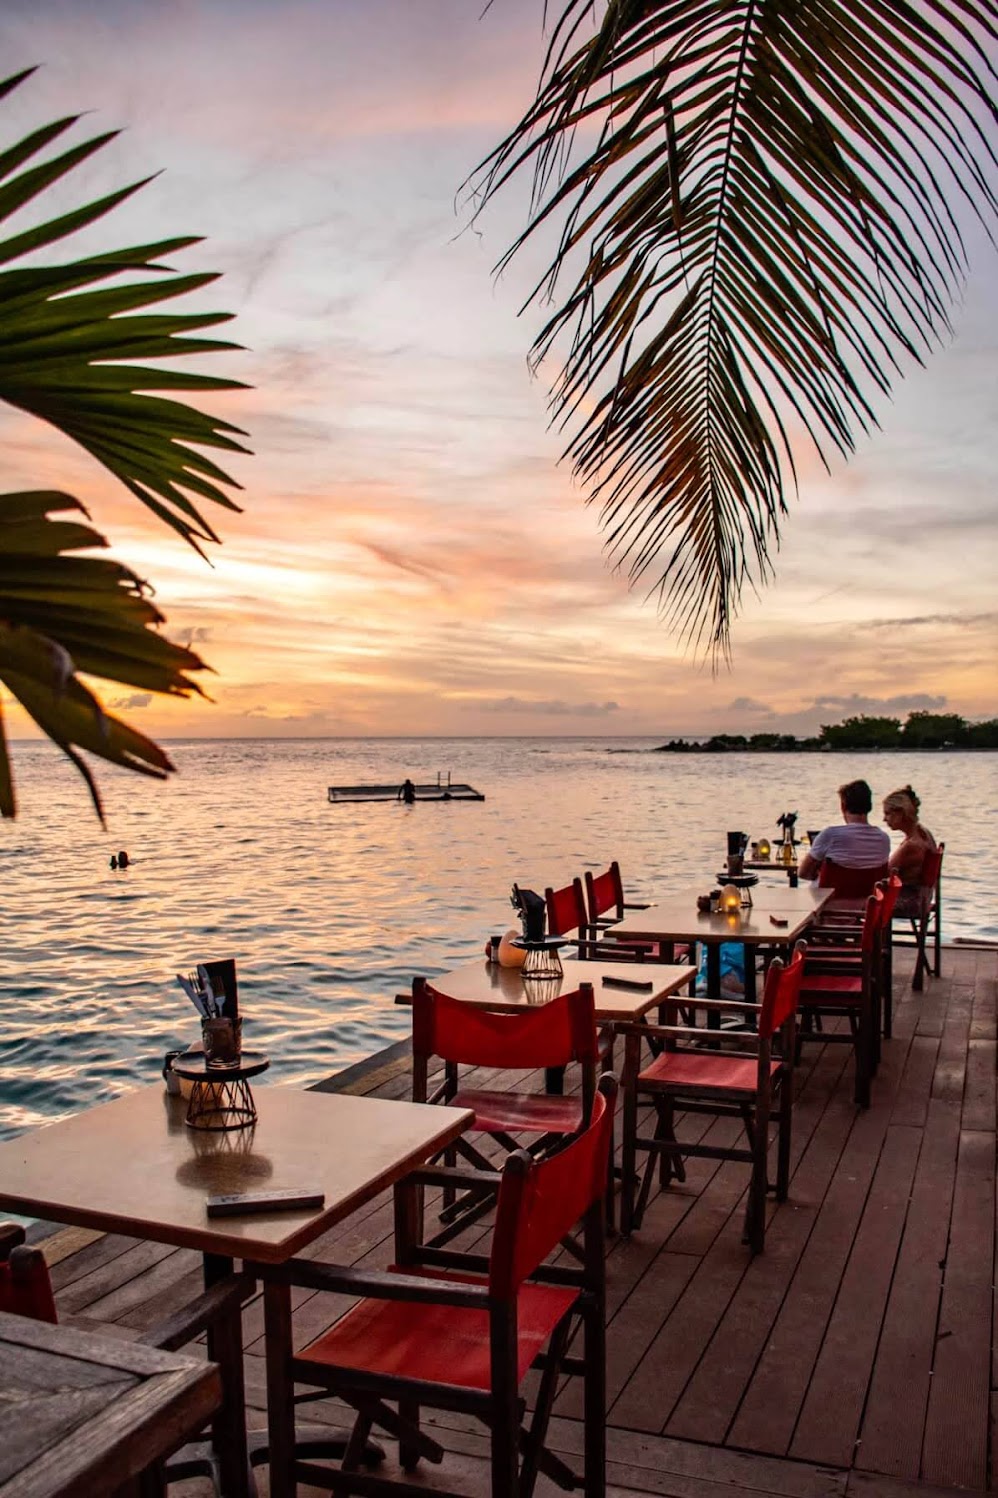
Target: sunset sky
412 558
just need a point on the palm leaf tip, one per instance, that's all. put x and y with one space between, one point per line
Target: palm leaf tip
757 226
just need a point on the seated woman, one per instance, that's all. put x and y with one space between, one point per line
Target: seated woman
901 815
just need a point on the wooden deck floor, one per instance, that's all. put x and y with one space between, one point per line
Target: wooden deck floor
853 1357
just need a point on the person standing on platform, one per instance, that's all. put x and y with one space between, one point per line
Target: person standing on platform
853 844
407 792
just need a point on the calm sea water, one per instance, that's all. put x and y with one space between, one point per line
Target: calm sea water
330 910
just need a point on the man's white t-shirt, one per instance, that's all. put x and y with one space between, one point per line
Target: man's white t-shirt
852 845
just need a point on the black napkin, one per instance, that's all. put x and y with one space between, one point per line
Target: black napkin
533 912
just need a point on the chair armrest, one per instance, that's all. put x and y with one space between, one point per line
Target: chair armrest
214 1305
452 1175
636 905
744 1006
379 1284
11 1235
682 1032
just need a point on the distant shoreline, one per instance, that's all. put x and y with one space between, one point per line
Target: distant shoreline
711 747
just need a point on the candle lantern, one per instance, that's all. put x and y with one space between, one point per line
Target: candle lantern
731 899
764 848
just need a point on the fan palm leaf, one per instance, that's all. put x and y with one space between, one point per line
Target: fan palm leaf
754 232
70 336
60 614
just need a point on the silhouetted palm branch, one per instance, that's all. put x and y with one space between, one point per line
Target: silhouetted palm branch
61 613
66 339
751 201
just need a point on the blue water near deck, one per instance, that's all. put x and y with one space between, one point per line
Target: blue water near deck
330 910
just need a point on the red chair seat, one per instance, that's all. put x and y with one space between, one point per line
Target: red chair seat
833 988
437 1344
510 1112
702 1069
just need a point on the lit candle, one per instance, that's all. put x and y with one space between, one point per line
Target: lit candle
764 848
731 899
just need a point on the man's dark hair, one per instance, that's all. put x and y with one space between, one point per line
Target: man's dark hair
856 798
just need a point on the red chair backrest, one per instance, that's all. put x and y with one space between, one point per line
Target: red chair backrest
891 890
540 1202
850 884
25 1287
605 892
872 920
566 908
781 995
932 866
552 1034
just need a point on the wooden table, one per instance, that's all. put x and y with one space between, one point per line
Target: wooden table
490 986
133 1166
677 919
82 1414
769 866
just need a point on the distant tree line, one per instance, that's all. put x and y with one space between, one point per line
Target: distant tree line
919 731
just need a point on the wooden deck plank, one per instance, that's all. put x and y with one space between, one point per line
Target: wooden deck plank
951 1061
979 1090
912 1102
903 1371
769 1411
709 1404
956 1427
830 1418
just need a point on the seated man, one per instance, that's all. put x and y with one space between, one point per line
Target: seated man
856 845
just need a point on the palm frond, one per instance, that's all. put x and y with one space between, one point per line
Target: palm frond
61 614
67 339
755 229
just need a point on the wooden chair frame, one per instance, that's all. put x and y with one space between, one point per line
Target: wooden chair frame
218 1312
753 1105
437 1277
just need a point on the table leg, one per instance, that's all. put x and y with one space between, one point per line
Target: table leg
749 965
228 1429
280 1391
713 985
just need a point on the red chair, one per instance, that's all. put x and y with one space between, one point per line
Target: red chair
741 1084
463 1335
26 1290
605 905
552 1035
850 884
927 922
605 901
566 910
829 992
837 946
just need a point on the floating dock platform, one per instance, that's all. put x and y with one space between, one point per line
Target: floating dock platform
440 789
